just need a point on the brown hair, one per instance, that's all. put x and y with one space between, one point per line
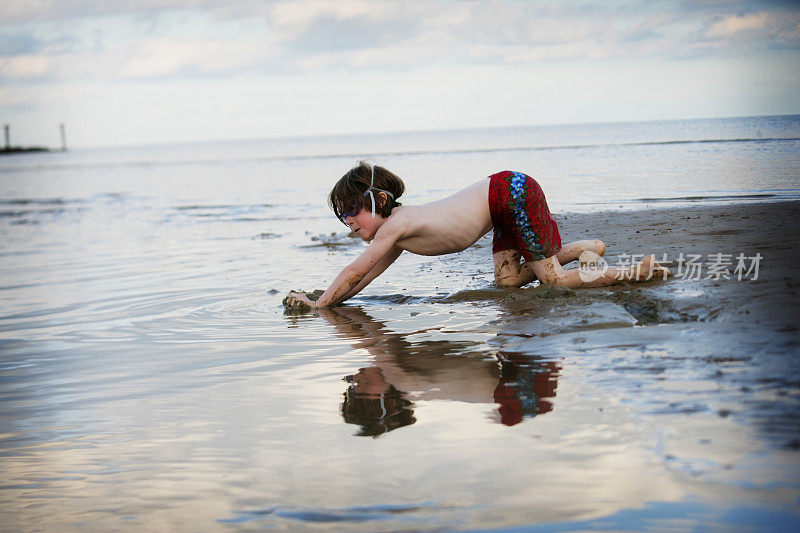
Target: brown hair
351 187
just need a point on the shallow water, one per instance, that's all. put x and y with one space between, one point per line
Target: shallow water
151 379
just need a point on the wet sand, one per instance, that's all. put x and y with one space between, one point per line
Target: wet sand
769 229
706 287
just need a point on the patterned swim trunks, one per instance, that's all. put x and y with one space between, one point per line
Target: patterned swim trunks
521 218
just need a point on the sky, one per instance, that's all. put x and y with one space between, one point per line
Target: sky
120 72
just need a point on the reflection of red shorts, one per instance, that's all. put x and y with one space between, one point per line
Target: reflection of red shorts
520 217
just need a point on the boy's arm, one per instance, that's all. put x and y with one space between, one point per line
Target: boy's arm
376 271
355 276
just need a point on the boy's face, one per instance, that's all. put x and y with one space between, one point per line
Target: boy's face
364 224
370 381
348 212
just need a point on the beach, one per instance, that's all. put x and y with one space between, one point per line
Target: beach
174 173
769 229
152 380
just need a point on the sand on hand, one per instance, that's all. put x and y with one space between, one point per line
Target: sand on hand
294 304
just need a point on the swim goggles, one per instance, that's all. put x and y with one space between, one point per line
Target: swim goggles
354 210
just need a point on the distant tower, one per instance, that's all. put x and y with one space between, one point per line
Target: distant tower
63 138
8 136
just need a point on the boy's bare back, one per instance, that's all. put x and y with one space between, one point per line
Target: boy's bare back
444 226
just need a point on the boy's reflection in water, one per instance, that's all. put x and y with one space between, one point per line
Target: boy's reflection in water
525 384
374 404
428 370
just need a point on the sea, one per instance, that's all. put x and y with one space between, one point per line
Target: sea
151 379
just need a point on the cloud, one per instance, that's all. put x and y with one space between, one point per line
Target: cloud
19 43
332 34
303 13
165 57
25 66
733 24
394 36
159 39
752 32
27 11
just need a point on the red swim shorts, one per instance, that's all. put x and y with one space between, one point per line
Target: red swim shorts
521 218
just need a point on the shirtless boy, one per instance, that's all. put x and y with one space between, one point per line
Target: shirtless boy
526 243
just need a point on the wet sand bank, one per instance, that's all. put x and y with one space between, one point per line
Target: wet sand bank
732 264
711 290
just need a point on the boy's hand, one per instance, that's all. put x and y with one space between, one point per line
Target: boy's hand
298 300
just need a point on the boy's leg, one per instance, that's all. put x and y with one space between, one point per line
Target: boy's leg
511 271
508 272
550 271
572 251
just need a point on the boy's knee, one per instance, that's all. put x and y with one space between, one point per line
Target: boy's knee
599 247
566 280
557 282
508 282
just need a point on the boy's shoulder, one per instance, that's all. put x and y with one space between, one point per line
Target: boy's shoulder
399 223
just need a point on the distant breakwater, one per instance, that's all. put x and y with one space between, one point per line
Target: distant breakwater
24 149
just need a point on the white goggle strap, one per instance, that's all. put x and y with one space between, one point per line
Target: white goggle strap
371 181
371 188
383 416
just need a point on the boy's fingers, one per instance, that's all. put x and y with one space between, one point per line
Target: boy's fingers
297 300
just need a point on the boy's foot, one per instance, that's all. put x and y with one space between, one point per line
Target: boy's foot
590 259
591 266
649 268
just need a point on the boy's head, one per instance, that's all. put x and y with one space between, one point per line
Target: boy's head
374 404
364 183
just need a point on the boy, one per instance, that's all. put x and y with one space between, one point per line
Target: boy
511 203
